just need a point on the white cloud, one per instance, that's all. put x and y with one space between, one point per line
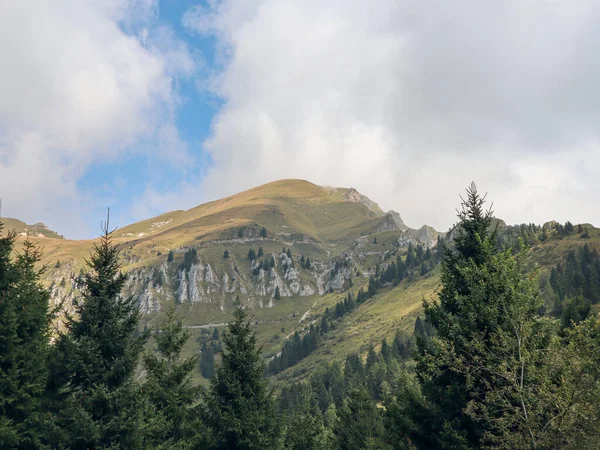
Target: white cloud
77 89
408 101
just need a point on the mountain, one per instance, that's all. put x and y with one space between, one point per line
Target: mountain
199 259
38 230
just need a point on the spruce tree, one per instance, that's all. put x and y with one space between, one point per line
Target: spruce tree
170 256
24 346
360 423
226 254
172 420
260 252
207 361
486 310
240 410
306 428
95 360
277 294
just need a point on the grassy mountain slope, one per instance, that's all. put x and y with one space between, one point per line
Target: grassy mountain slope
38 230
345 235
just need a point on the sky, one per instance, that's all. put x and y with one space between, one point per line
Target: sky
147 106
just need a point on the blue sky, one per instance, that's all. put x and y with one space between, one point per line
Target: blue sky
121 181
147 106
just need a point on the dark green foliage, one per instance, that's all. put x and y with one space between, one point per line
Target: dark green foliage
296 349
215 335
263 232
385 350
239 409
251 254
306 428
170 256
95 360
576 310
360 423
354 371
57 265
190 258
277 294
307 264
172 421
372 290
302 260
24 346
260 252
226 254
272 262
288 253
361 296
207 361
372 357
578 275
324 324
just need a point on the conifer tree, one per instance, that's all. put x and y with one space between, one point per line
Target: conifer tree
372 289
226 254
172 419
24 346
324 324
170 257
207 361
385 350
487 308
372 357
260 252
360 423
277 295
240 411
306 428
96 358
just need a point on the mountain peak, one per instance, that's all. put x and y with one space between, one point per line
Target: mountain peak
36 230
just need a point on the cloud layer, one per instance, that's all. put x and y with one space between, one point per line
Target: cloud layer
81 83
408 101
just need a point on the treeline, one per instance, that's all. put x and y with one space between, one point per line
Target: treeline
95 386
298 347
337 407
418 262
490 371
576 283
531 234
208 349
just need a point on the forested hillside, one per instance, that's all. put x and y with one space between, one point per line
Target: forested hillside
482 337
